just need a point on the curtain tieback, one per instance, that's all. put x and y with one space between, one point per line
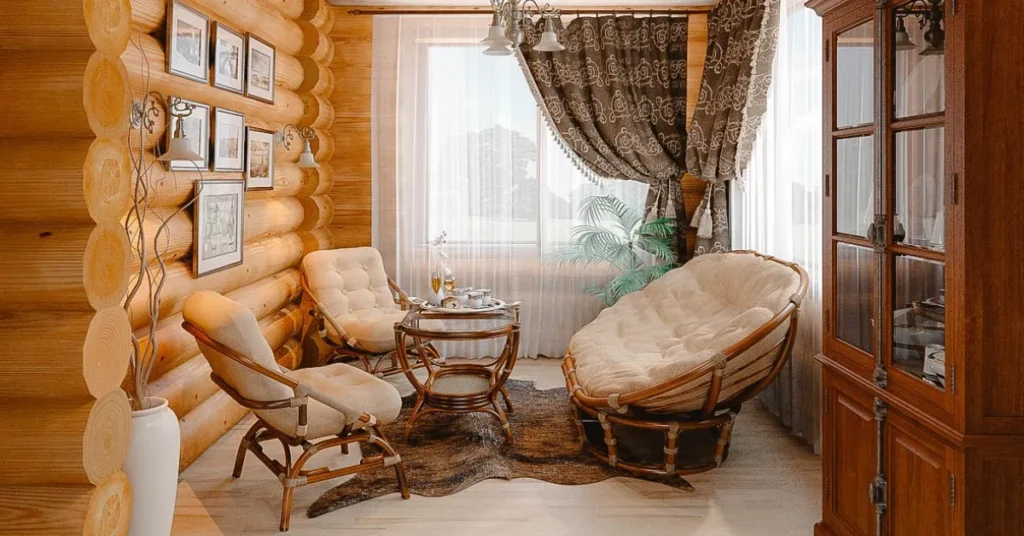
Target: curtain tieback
702 217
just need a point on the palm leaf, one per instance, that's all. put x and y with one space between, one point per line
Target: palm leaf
659 228
663 249
573 255
599 209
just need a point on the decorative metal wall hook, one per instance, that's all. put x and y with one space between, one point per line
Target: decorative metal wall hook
287 134
145 112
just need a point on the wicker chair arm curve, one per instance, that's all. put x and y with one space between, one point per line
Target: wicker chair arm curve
324 313
305 390
403 298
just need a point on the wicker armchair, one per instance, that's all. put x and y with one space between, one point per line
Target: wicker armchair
337 404
684 354
357 306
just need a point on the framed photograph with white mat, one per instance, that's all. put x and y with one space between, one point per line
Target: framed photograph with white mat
188 42
228 59
259 166
228 140
260 69
217 234
196 127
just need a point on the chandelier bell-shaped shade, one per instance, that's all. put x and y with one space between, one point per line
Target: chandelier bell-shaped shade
903 41
496 35
549 39
935 37
306 159
498 50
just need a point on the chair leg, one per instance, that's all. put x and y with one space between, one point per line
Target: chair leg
382 442
508 400
500 414
243 447
286 508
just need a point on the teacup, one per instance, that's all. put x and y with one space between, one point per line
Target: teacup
485 296
462 294
476 299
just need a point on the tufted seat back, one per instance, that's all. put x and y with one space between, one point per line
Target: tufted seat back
349 280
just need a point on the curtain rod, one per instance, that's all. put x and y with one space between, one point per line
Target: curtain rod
568 11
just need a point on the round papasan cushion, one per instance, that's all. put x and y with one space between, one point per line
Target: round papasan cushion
681 321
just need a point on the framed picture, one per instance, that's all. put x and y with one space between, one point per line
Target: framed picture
260 69
228 140
218 238
188 42
259 167
196 127
228 59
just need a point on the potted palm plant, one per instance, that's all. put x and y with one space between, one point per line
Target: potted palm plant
615 234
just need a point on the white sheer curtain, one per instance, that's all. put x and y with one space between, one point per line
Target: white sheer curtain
779 207
460 147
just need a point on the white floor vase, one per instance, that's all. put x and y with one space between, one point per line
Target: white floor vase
152 468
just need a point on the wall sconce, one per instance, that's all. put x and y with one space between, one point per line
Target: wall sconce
284 138
144 115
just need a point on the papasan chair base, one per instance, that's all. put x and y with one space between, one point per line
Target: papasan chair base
707 397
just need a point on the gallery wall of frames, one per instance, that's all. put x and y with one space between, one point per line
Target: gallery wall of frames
72 72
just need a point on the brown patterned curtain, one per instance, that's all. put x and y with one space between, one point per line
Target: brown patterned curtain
742 35
616 97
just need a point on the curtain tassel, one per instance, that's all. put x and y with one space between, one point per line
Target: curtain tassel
702 218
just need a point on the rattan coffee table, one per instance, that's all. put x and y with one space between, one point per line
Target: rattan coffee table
459 387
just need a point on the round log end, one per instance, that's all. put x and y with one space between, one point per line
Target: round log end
107 432
110 507
317 212
106 95
106 266
107 179
107 350
109 23
323 146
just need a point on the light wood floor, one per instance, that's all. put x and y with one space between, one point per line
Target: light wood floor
770 485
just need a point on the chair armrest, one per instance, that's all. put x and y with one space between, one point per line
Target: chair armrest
325 315
402 299
304 390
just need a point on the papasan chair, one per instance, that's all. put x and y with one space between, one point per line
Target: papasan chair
684 354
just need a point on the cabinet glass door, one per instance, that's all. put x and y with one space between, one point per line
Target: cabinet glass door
916 183
854 193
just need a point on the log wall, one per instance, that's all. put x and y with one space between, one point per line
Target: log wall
353 192
71 72
64 265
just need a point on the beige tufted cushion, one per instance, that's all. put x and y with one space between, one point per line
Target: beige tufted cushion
361 391
233 325
352 285
681 321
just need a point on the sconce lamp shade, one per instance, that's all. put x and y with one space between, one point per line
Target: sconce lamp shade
306 160
178 150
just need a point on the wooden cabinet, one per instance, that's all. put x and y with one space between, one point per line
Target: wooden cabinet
923 343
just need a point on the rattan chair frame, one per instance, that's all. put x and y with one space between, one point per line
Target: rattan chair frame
348 350
292 474
627 409
497 371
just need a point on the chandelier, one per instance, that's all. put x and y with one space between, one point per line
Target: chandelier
506 28
930 13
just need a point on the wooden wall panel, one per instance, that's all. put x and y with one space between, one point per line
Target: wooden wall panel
353 185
